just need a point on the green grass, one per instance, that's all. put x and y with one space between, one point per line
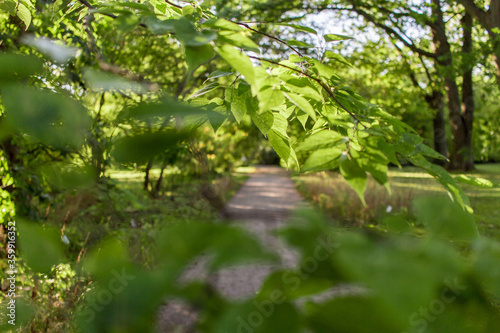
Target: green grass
330 192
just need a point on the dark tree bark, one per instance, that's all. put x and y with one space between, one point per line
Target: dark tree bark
160 179
489 20
146 175
435 100
96 144
468 91
445 62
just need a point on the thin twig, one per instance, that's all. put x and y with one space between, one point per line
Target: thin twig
173 4
270 37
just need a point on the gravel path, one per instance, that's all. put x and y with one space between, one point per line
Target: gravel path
262 204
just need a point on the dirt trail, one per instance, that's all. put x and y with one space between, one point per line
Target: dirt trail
262 204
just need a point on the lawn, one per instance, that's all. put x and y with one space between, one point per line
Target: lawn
330 192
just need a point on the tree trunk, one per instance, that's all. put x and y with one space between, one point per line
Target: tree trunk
489 20
160 179
436 102
444 60
146 174
468 91
95 142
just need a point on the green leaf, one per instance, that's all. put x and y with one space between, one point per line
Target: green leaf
487 263
273 315
303 87
443 177
298 27
186 33
238 100
206 89
322 159
302 118
373 161
179 243
8 6
40 247
222 24
320 139
219 73
280 125
53 119
285 318
238 39
282 148
24 14
445 218
198 55
337 57
335 37
140 148
264 121
323 70
187 10
234 246
159 5
16 67
354 175
302 104
218 115
343 314
273 285
140 7
404 274
66 176
126 22
159 27
162 111
111 255
293 42
27 3
427 151
388 151
270 98
471 180
239 61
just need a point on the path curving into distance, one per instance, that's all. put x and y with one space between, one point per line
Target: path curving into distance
261 205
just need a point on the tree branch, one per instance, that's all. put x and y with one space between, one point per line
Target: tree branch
173 4
270 37
476 12
411 72
391 32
